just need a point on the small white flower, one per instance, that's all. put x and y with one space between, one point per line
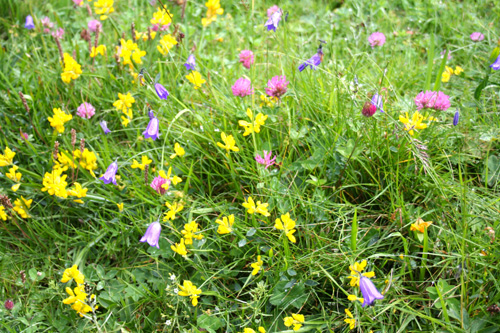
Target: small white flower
168 322
176 290
172 277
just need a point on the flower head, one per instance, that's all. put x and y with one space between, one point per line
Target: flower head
101 49
415 123
356 270
22 207
189 289
173 209
257 266
7 157
58 33
59 119
254 124
420 225
179 248
166 43
456 118
287 225
496 65
376 39
377 101
161 91
110 174
213 9
162 18
258 207
349 319
246 58
476 36
29 23
195 78
46 23
104 8
191 231
160 184
190 63
314 61
296 320
73 273
9 304
104 126
368 109
242 87
179 151
225 225
72 69
436 100
271 10
368 290
273 21
152 131
78 191
152 234
85 110
229 143
93 25
55 183
277 86
266 160
144 161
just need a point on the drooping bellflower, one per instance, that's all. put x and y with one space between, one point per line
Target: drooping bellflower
104 126
456 118
190 63
496 65
314 61
161 91
273 21
110 174
377 101
369 291
29 23
152 234
152 131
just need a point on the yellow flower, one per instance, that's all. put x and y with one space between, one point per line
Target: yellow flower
213 9
458 70
101 49
287 225
120 206
144 161
356 270
104 8
162 17
262 329
78 298
173 209
72 69
73 273
179 151
253 126
136 56
22 207
296 320
415 123
125 121
59 119
257 266
145 35
189 289
248 330
269 102
7 158
420 225
189 232
175 179
3 215
14 176
349 319
354 298
179 248
166 43
78 191
124 102
225 226
258 207
445 77
55 183
195 78
229 143
88 160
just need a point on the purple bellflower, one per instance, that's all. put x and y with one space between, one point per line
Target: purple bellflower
153 127
104 126
377 101
152 234
190 63
161 91
110 174
29 23
314 61
496 64
272 22
266 160
369 291
456 118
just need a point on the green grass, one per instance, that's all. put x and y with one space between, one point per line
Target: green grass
354 185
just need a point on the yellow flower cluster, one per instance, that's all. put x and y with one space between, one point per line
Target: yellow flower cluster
87 160
296 320
269 102
191 231
349 319
124 104
287 225
253 125
250 330
104 8
7 157
258 207
101 49
225 225
195 78
59 119
145 35
22 207
229 143
15 177
161 17
72 69
166 43
188 289
356 270
213 9
257 265
415 123
128 50
179 151
81 301
173 209
3 215
144 161
55 184
448 72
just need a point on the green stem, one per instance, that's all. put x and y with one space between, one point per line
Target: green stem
424 256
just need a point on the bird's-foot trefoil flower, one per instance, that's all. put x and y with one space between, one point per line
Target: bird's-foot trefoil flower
415 123
178 151
420 225
144 161
314 61
356 270
349 319
110 174
257 266
369 291
296 320
258 207
190 290
73 273
179 248
225 225
195 78
229 143
152 131
152 234
286 224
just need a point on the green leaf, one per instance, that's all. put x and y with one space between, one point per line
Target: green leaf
295 296
210 323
